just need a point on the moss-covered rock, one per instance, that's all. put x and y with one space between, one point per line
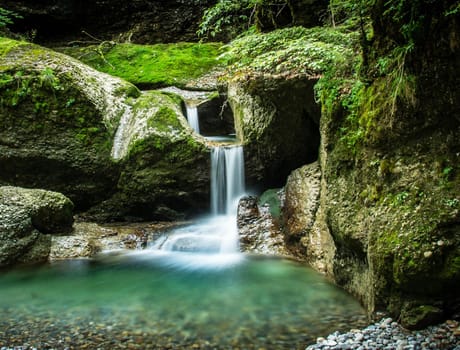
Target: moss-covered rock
151 66
271 82
164 165
67 127
391 181
57 120
26 217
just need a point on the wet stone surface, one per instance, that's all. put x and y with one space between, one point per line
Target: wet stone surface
389 335
41 330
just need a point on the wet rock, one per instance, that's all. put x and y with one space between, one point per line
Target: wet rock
26 217
117 153
421 316
303 218
259 232
274 144
88 238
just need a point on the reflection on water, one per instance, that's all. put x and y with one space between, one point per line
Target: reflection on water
152 300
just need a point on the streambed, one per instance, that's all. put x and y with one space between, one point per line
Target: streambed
153 300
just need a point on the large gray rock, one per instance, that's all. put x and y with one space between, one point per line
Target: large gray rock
26 217
303 218
259 232
276 117
115 152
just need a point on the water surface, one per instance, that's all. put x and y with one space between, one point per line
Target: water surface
159 300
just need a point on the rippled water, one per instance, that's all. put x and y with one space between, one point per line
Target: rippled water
153 300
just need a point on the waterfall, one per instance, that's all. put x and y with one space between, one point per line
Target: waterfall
227 179
192 117
212 241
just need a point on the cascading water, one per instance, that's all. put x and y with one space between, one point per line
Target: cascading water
217 234
212 241
227 179
192 117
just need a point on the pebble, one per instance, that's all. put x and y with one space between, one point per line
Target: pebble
388 334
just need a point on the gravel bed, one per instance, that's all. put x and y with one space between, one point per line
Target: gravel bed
389 335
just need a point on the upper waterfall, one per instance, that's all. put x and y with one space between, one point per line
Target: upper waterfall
192 117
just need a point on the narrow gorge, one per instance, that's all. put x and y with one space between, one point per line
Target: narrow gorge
224 174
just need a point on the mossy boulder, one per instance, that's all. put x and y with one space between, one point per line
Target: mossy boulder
27 216
164 165
57 121
116 152
271 81
276 118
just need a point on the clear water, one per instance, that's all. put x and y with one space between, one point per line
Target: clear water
152 300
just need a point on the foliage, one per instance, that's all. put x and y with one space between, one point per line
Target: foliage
7 17
232 17
351 13
293 50
151 65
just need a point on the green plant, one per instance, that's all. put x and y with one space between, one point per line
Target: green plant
453 10
49 80
7 17
453 203
232 17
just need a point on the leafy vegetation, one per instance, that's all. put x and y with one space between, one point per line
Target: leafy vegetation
7 17
151 65
229 18
295 50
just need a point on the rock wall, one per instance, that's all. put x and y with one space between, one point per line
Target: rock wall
390 202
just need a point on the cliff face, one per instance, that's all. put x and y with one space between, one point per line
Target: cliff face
390 174
386 221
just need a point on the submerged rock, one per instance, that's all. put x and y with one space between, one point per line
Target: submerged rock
26 217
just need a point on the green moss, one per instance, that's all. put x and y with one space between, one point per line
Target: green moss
294 50
165 119
451 270
6 45
45 103
151 65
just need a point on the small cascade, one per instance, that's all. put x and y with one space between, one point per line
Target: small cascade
120 141
192 117
227 179
212 241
